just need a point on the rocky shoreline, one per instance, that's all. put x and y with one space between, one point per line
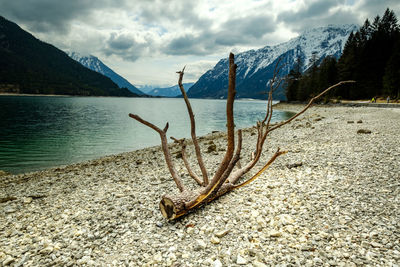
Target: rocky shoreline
332 200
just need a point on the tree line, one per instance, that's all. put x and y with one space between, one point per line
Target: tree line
371 57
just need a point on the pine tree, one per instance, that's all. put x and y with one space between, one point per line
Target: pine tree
391 79
292 80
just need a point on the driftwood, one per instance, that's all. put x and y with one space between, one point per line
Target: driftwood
224 179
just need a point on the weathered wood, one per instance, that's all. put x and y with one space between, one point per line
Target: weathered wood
186 162
193 129
164 145
224 179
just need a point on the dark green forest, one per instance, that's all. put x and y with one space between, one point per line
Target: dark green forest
28 65
371 57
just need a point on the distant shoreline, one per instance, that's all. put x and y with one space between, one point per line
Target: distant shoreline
11 94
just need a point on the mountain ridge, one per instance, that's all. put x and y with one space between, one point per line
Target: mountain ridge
256 67
94 63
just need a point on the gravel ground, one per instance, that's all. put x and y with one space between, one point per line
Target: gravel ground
334 199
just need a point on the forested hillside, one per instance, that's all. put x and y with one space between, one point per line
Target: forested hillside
28 65
371 57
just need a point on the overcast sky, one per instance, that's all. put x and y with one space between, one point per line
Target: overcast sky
147 41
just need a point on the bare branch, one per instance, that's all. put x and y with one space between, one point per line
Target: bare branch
149 124
231 165
193 128
185 161
309 104
164 145
210 192
229 122
273 86
272 159
239 173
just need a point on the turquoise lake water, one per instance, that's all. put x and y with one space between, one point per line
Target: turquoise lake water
38 132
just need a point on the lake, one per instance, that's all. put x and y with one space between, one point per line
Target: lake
38 132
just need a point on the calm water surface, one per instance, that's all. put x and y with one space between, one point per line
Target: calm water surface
38 132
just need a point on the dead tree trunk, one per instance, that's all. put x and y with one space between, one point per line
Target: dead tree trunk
224 180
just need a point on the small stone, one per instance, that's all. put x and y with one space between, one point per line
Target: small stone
350 121
369 256
373 234
84 260
307 248
222 233
286 219
158 257
260 221
275 233
254 213
185 256
318 260
215 240
200 244
211 148
332 263
8 261
290 229
9 210
251 252
190 230
294 165
359 121
47 250
258 264
376 244
217 263
159 224
363 131
240 260
27 200
336 235
78 233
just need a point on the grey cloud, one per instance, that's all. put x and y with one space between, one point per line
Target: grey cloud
318 13
45 15
373 8
180 12
237 31
187 44
244 30
120 42
124 46
322 12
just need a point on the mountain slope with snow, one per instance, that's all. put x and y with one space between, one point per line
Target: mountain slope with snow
93 63
256 67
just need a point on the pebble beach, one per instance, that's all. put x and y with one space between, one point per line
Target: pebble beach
332 200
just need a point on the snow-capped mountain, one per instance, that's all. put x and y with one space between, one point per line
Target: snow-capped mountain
169 91
256 67
93 63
